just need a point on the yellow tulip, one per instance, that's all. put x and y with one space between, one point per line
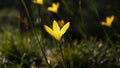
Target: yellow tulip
38 2
56 32
54 7
108 22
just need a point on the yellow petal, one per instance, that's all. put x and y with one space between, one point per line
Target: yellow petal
103 23
50 9
49 30
56 5
106 24
65 28
52 33
110 19
56 27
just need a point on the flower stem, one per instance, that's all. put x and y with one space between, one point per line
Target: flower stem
64 65
34 32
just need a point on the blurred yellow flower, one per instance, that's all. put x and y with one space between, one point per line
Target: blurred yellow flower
108 22
61 23
56 32
54 7
38 2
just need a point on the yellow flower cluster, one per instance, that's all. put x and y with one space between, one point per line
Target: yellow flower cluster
59 28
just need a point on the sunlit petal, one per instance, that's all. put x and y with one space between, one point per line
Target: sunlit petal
49 30
65 28
108 19
56 27
111 18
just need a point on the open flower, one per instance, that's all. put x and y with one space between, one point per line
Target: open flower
54 7
56 32
108 22
38 2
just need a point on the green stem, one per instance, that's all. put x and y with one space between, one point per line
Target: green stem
64 65
106 34
34 32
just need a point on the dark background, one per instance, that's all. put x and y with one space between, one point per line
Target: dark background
85 15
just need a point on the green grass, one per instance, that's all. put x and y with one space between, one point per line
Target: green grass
23 50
